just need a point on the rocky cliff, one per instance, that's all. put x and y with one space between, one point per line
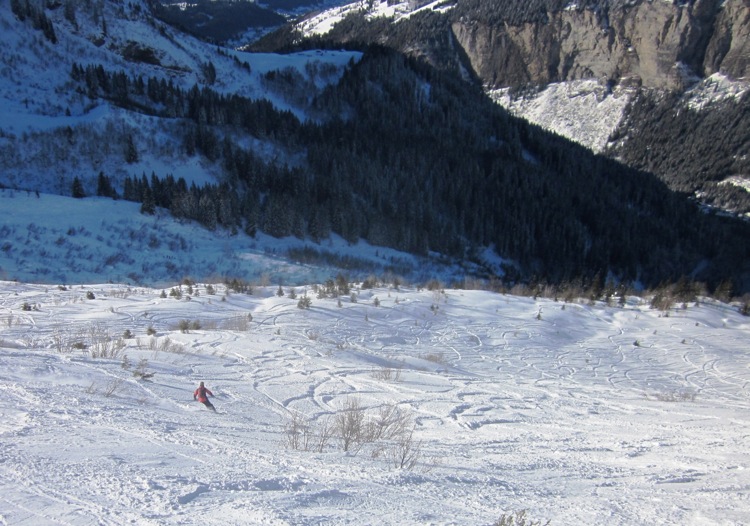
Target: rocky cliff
655 43
729 49
661 85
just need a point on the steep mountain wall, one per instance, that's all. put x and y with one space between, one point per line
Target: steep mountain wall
653 43
652 83
729 49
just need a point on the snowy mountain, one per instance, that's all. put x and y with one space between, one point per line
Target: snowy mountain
48 123
102 102
52 134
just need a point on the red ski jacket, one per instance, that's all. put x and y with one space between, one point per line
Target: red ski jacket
201 393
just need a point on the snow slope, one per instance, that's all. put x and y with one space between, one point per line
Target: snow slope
51 133
53 239
583 110
322 22
579 414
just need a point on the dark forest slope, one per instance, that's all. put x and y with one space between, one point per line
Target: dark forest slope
415 158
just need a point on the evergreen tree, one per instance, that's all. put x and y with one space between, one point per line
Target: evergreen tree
207 211
77 189
131 152
130 190
148 205
104 187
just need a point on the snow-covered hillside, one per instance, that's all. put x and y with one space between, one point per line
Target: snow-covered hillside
485 405
322 22
51 133
53 239
583 110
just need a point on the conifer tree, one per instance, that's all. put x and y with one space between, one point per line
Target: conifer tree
104 187
131 152
77 189
148 205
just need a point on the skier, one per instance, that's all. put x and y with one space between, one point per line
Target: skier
201 394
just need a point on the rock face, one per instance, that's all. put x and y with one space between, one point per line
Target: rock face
652 43
623 76
729 50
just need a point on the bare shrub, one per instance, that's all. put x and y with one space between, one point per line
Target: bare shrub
387 374
435 358
390 431
119 293
169 346
676 396
405 451
185 326
349 425
305 435
166 345
101 344
140 370
295 431
61 340
518 518
112 387
236 323
390 422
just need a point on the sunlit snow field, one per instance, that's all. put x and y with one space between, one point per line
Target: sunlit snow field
578 414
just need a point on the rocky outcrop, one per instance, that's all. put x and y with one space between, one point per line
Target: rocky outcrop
653 43
729 49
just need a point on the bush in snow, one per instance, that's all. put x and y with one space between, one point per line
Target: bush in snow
518 519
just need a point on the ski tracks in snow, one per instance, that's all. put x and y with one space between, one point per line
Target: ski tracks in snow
519 403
